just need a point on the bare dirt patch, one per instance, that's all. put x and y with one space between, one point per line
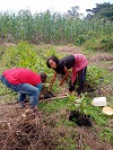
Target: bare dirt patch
41 131
69 49
103 60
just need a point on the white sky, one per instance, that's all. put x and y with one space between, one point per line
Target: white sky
53 5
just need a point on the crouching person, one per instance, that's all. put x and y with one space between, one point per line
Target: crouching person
24 82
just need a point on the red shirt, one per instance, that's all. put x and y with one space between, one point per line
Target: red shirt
20 75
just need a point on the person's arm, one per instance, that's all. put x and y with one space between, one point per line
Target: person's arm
72 81
65 76
53 79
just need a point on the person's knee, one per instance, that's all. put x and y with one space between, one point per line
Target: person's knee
36 93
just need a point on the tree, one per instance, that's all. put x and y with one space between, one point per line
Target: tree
104 10
74 11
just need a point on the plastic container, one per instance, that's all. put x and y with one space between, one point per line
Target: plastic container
99 101
107 110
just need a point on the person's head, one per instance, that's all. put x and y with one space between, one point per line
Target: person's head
43 76
52 62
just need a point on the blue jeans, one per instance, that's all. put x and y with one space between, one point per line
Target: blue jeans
23 90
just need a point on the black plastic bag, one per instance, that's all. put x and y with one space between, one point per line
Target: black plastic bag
80 119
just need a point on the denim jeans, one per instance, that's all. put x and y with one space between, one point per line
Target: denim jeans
23 90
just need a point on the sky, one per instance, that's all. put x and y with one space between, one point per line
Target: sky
61 6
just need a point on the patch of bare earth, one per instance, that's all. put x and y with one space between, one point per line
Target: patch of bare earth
8 44
40 131
101 59
69 49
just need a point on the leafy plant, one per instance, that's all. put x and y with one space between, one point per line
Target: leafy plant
106 134
23 55
94 75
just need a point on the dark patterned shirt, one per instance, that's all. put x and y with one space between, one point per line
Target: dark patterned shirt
67 61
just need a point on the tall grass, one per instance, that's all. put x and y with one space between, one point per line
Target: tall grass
52 28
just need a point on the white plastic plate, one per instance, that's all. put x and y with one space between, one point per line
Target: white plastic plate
107 110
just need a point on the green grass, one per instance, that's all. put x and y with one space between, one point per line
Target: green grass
60 108
54 105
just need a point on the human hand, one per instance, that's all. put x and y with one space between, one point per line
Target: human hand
50 87
61 83
70 92
41 97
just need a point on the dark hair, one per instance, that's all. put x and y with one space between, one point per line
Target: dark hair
54 58
43 76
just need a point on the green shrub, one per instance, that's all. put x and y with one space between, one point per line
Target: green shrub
107 43
94 75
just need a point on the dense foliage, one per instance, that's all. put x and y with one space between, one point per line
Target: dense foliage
54 28
104 11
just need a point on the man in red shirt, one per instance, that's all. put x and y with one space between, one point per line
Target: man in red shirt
25 82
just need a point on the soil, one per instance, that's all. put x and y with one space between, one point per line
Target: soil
38 131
